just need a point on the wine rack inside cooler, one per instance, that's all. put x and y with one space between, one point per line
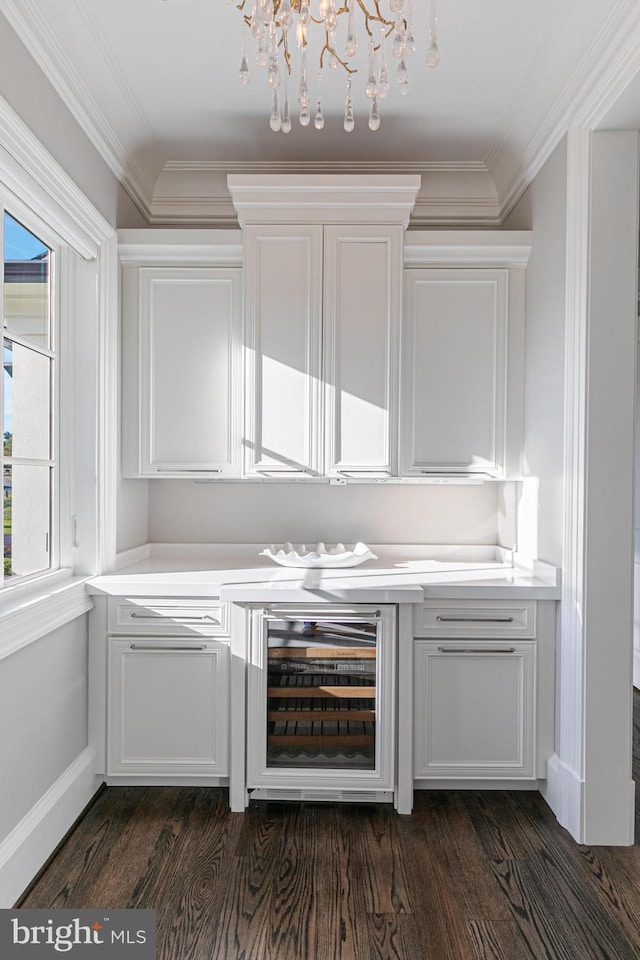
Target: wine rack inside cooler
321 694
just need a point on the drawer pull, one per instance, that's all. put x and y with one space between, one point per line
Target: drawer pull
346 616
181 646
475 650
162 616
474 619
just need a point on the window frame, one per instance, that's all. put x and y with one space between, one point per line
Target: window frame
46 236
41 194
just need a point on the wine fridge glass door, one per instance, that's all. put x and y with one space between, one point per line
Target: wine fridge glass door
321 700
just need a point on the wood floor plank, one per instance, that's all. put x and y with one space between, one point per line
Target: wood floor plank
439 914
341 924
499 940
68 878
468 866
547 911
585 870
243 926
260 829
243 919
383 869
192 905
539 928
294 903
500 834
394 936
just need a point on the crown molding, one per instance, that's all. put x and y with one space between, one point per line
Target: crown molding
186 247
325 166
487 248
38 181
196 210
327 197
620 65
455 211
609 63
29 25
196 193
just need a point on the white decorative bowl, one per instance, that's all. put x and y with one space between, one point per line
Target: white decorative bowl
297 555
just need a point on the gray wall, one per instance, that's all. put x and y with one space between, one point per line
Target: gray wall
543 209
26 89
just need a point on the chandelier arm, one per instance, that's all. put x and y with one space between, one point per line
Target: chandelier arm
330 49
377 17
285 51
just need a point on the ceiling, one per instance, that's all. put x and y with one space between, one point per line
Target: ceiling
155 85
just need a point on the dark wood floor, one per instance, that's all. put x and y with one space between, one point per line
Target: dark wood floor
469 876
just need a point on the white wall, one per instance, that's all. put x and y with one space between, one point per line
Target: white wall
186 511
636 564
607 591
43 716
543 210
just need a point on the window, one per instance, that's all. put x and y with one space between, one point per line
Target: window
28 460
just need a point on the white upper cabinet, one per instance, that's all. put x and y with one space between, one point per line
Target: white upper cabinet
463 354
362 307
323 294
454 372
283 284
182 370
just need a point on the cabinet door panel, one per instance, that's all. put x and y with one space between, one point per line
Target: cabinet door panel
454 371
474 709
362 309
167 708
190 342
284 305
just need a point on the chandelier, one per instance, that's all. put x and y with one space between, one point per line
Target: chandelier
285 31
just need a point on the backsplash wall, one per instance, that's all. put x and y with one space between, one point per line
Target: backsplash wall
187 511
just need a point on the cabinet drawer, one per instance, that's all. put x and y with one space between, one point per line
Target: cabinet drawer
166 617
475 618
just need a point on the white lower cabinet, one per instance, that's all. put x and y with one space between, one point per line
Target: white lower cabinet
474 709
168 707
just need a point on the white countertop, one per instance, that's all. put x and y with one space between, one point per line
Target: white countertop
400 574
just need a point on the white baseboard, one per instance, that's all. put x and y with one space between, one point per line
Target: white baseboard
166 780
26 848
564 792
636 668
437 783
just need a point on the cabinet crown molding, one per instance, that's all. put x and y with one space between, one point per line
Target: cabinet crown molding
175 247
467 248
323 198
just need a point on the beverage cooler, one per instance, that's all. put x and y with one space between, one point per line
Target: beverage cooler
321 702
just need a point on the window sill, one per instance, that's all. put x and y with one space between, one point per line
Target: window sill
31 611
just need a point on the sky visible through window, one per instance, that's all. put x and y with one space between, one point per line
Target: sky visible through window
19 243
